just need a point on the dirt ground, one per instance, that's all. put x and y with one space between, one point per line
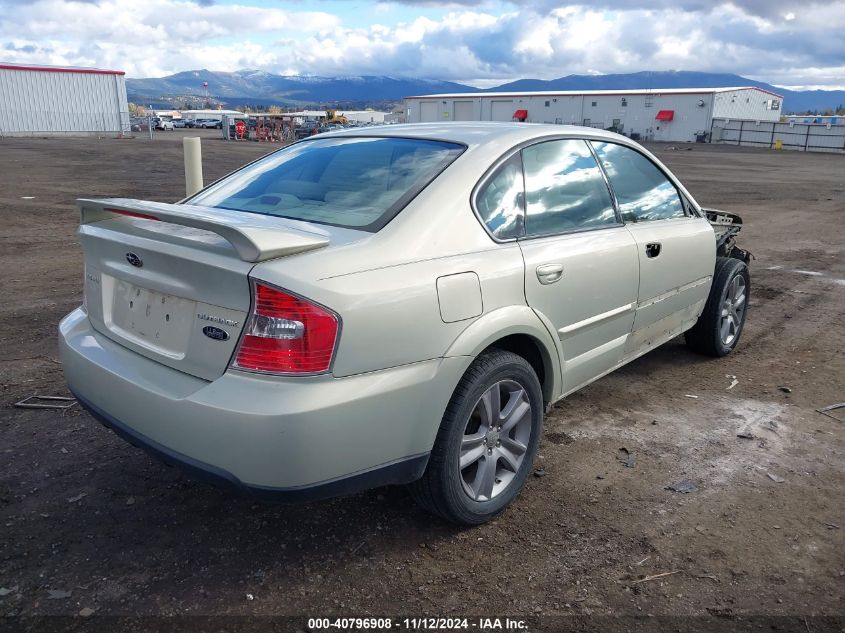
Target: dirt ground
87 515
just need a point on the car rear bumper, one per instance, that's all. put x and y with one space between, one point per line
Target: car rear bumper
402 471
272 437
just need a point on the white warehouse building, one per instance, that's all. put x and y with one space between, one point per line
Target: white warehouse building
217 115
363 116
676 114
56 101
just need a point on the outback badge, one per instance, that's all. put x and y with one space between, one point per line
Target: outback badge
216 333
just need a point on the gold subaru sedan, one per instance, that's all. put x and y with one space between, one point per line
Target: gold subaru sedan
396 305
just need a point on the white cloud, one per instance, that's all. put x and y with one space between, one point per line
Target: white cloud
757 38
149 37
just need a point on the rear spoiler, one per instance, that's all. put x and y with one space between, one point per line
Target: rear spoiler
254 237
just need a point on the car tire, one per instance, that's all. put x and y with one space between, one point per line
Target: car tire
717 331
485 486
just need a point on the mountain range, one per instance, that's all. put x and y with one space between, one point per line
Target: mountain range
257 87
260 88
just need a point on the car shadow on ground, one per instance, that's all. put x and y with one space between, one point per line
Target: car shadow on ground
127 488
147 511
131 517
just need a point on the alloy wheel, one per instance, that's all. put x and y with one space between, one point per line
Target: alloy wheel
733 307
495 440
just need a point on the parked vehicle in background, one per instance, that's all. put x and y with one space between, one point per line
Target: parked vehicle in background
399 307
190 123
179 123
209 123
139 124
304 131
163 123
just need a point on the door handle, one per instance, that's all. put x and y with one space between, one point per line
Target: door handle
549 273
652 249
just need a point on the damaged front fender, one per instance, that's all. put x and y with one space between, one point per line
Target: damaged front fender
726 227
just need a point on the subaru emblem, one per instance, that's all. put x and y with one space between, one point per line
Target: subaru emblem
216 333
133 259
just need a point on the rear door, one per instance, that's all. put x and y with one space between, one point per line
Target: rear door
581 267
676 249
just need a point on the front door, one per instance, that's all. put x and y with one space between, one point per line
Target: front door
676 249
662 131
581 265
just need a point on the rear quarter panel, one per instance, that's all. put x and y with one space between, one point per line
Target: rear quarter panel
391 315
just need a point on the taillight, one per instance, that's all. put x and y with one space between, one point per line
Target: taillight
286 334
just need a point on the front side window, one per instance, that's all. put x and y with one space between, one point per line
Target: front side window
564 189
643 192
500 200
354 182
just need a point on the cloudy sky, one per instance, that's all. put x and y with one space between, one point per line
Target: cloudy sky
785 42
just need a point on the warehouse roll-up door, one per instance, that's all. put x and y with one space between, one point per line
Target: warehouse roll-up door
464 111
428 111
501 110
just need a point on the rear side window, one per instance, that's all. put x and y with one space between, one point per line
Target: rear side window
359 183
564 189
500 200
642 191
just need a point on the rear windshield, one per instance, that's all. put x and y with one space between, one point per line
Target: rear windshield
359 183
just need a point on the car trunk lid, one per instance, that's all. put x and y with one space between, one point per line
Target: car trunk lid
171 281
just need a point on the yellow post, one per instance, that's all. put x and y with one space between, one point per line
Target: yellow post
779 144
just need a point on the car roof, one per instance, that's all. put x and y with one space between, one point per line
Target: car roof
477 133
